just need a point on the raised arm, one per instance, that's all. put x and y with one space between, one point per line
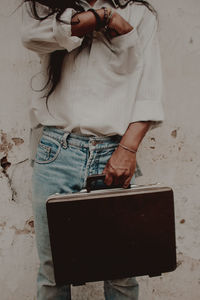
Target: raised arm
49 35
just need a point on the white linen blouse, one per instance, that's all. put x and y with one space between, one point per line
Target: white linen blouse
106 85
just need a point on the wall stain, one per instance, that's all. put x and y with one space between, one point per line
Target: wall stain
3 225
5 145
179 262
17 141
182 221
5 164
28 228
174 133
153 142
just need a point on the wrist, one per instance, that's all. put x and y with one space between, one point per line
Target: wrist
105 15
131 150
123 154
134 134
98 19
100 12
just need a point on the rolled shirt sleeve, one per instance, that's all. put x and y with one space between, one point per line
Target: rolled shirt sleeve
149 97
48 35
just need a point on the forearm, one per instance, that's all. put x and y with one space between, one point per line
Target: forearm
87 22
48 35
134 134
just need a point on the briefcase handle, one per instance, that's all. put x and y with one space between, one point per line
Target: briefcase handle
94 178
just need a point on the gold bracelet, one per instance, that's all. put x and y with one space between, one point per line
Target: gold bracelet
109 18
126 148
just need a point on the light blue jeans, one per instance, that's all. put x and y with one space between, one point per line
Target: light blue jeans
62 164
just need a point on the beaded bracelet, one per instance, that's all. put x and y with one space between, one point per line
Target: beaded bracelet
107 16
106 19
99 23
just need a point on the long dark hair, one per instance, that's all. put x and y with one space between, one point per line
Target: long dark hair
56 59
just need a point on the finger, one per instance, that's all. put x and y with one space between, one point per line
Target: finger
119 179
127 182
120 176
109 178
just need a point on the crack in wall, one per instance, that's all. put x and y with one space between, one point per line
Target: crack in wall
5 164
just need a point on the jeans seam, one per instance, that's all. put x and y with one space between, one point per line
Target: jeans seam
90 159
59 140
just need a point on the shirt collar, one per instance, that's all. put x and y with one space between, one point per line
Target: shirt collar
114 2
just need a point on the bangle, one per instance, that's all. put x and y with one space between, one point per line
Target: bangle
107 16
99 23
126 148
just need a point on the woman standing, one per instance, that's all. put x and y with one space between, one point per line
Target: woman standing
100 91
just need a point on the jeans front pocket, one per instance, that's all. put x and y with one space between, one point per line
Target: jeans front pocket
47 150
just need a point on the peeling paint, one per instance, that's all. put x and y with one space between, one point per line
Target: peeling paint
2 225
182 221
28 228
5 164
179 262
31 223
174 133
5 145
18 141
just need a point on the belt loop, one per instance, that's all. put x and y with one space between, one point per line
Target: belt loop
64 140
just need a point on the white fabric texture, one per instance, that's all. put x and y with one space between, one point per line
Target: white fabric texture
48 35
106 85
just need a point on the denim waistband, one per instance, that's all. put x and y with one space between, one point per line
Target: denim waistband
81 140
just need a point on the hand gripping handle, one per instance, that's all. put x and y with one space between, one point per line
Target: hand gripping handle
93 178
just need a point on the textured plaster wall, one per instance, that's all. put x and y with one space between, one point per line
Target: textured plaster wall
169 154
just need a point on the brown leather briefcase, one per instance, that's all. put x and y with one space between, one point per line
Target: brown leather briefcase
112 233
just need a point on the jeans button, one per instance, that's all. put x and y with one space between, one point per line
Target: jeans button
94 143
